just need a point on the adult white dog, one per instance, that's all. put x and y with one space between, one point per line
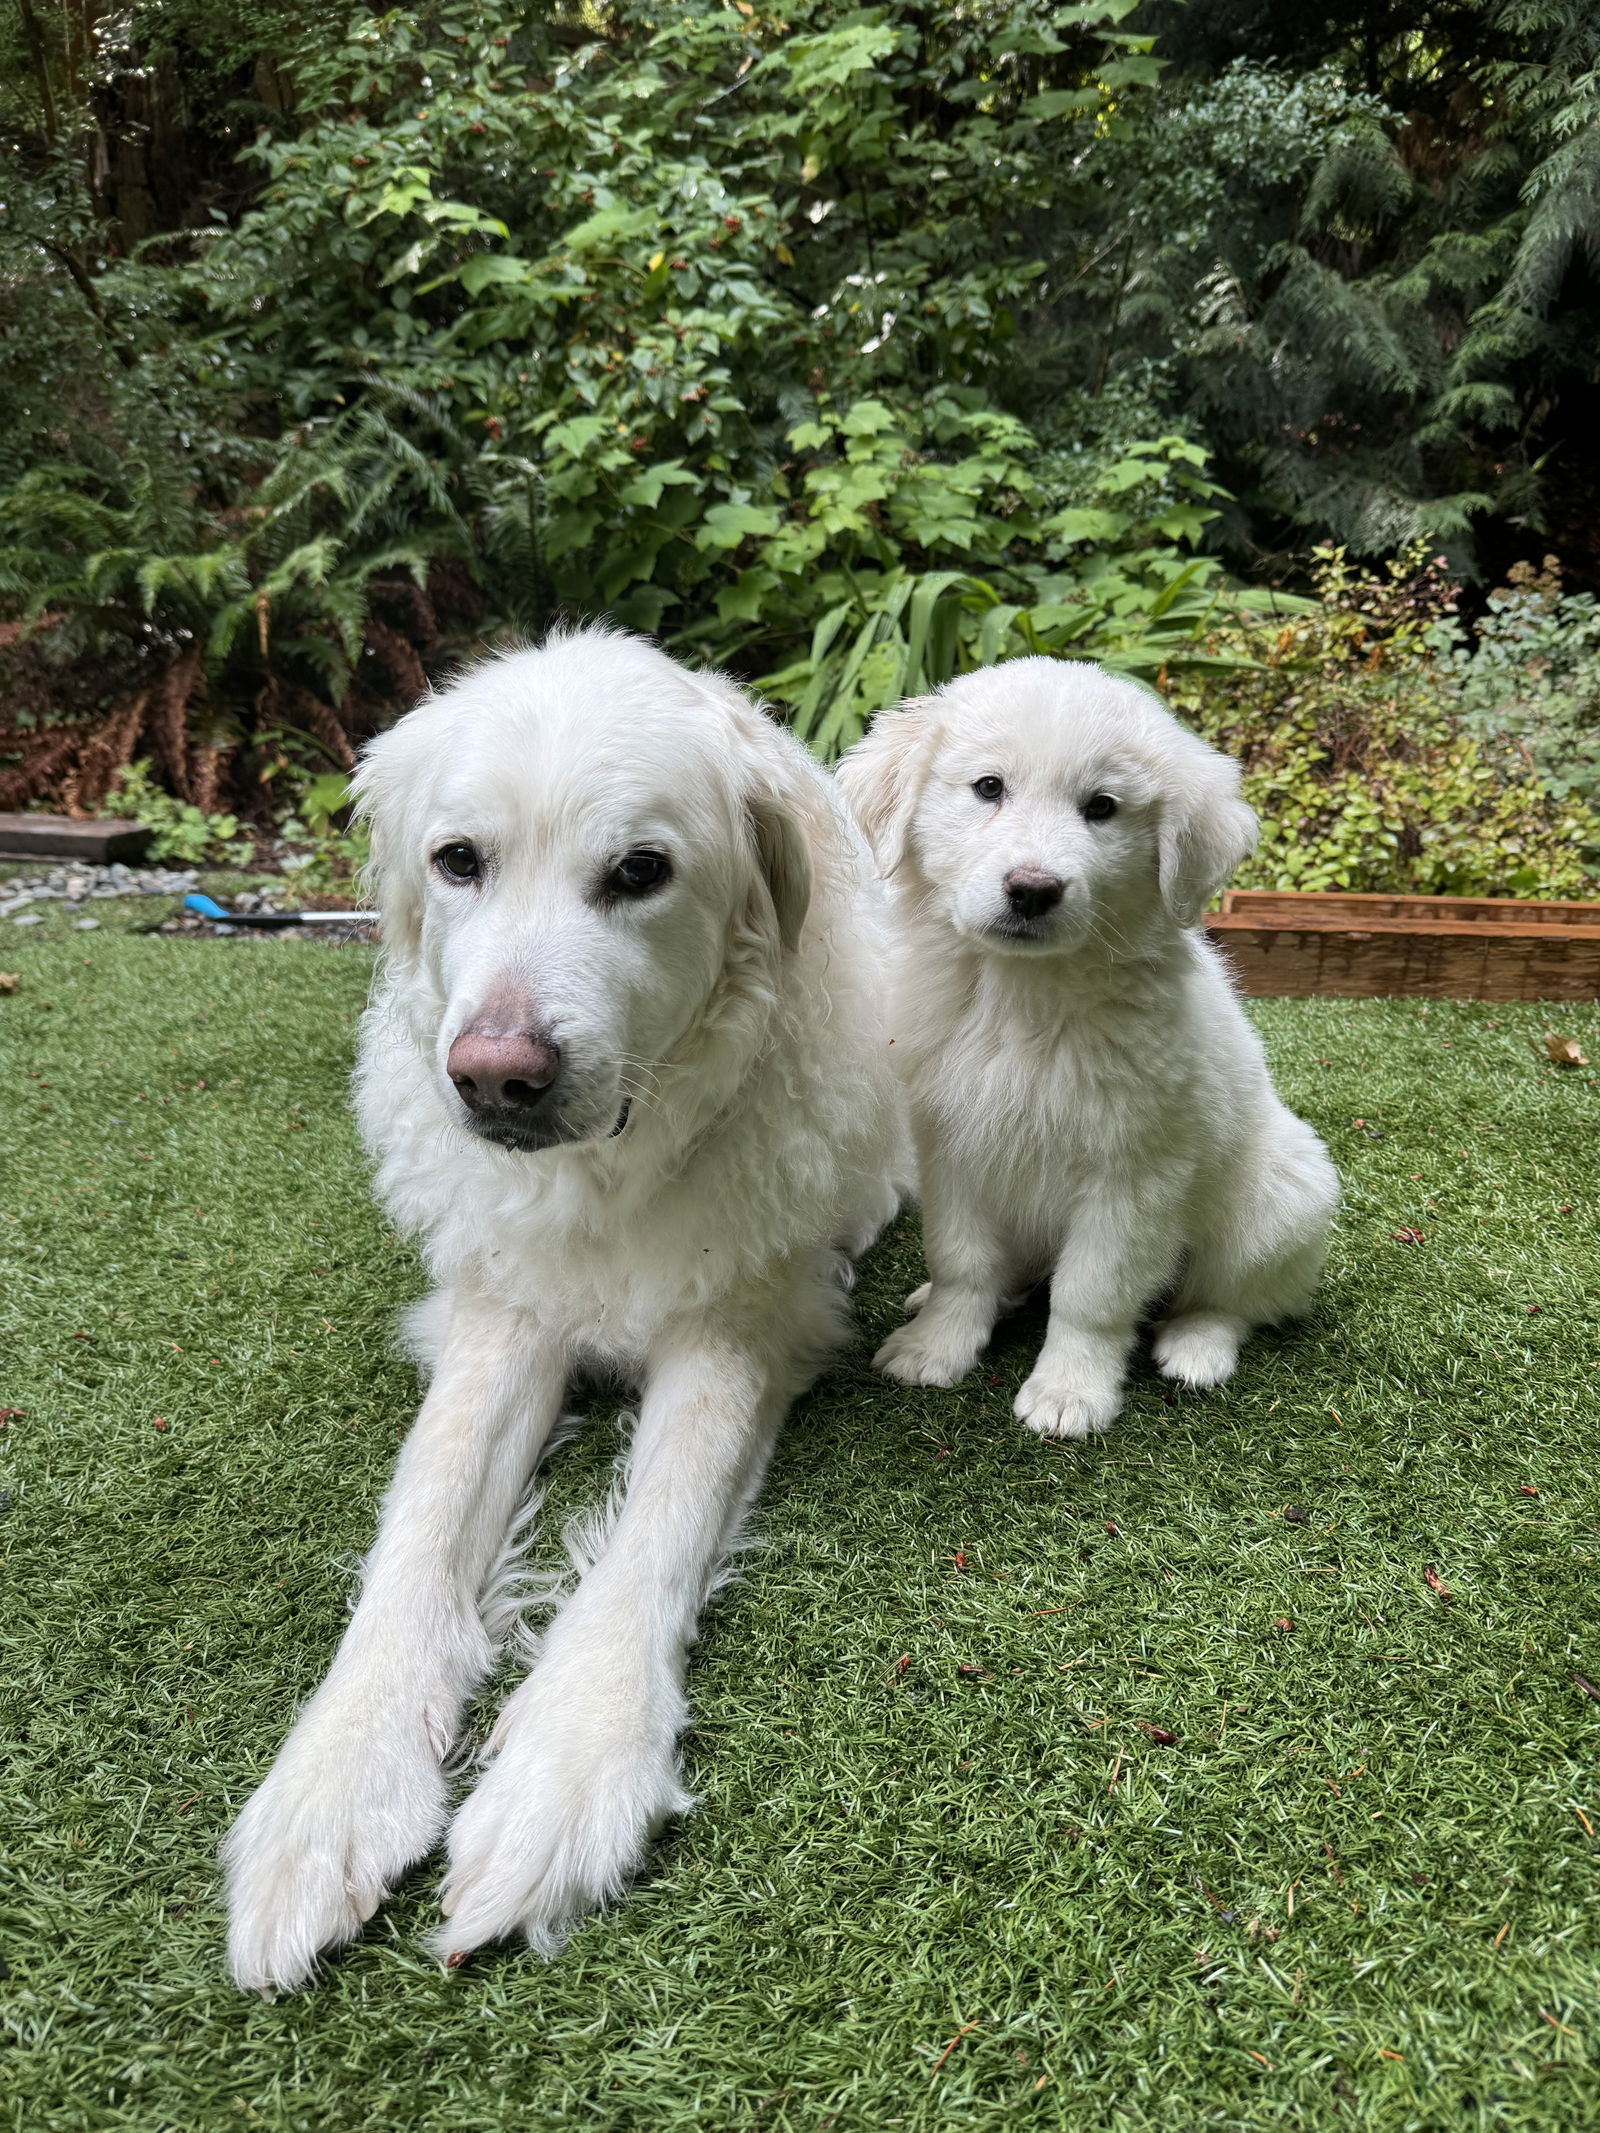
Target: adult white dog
625 1077
1088 1099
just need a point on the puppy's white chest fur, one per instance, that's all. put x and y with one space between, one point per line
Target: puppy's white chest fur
1036 1083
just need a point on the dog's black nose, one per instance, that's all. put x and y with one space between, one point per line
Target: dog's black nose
502 1073
1031 892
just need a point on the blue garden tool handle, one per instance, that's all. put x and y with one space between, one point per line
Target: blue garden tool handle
208 907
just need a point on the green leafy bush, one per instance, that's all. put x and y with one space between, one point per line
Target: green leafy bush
182 833
1531 677
1352 727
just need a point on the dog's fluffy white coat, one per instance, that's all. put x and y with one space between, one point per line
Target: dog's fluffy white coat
695 1252
1088 1100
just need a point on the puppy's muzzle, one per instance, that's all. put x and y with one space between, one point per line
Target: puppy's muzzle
1031 893
504 1078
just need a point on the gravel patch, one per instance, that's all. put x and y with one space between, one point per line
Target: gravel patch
74 886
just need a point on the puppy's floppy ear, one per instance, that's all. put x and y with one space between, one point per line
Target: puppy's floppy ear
1206 830
882 776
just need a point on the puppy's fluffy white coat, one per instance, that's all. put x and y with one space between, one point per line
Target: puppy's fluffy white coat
723 1126
1088 1100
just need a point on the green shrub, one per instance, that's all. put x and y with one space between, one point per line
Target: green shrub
1531 677
183 834
1354 727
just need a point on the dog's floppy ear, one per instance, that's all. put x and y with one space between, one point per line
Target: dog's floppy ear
1206 830
783 850
381 786
882 775
786 803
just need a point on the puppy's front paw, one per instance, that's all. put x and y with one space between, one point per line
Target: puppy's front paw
560 1820
927 1351
1199 1349
322 1841
1055 1407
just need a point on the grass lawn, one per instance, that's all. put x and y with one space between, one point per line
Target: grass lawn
1228 1772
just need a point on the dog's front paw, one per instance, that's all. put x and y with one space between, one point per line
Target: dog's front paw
1199 1349
1057 1407
319 1845
559 1822
928 1352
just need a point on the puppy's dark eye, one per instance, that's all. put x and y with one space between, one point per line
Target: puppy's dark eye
1100 809
639 872
458 862
989 788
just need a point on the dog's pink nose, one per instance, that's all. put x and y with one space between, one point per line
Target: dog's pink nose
502 1072
1031 892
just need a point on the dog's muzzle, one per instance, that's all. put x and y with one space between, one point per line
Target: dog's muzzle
506 1079
509 1083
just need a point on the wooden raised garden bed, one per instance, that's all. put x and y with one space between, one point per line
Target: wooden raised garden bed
1301 946
62 837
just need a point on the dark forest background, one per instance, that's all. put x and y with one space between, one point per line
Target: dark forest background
1250 349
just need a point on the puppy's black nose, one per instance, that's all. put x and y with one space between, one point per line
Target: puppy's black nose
1031 892
492 1072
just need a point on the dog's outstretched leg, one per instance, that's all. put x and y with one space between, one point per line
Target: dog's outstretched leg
584 1761
357 1792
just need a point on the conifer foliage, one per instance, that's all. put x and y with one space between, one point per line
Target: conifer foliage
850 345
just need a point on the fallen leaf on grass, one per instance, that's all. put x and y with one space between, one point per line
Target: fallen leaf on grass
1159 1734
971 1673
1581 1681
9 1415
902 1665
965 2030
1407 1236
1564 1051
161 1423
9 980
1526 1488
1285 1623
1434 1582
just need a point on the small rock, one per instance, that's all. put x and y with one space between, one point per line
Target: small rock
86 925
29 918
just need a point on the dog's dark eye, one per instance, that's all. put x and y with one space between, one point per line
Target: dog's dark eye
1100 809
458 862
989 788
639 872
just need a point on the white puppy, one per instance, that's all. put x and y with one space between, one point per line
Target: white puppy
1088 1100
626 1079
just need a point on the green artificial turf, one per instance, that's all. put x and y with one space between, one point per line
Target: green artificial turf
951 1868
